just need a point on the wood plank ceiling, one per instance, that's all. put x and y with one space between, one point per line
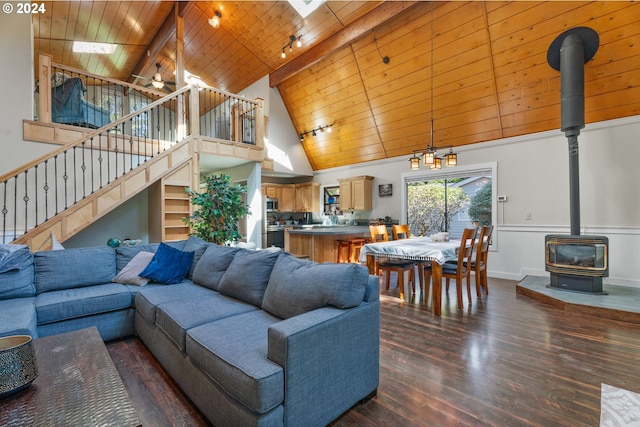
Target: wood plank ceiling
489 75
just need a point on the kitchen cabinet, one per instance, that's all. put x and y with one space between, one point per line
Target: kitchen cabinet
287 198
356 193
270 191
307 197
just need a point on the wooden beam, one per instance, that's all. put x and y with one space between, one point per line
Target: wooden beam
348 34
166 31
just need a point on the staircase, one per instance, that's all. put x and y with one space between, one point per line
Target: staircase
158 145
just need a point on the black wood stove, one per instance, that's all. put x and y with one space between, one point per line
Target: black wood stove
576 262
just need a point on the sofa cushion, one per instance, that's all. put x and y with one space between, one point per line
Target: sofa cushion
124 254
14 257
247 276
18 317
234 352
212 264
148 298
297 286
56 306
16 272
197 246
168 265
130 274
176 317
72 268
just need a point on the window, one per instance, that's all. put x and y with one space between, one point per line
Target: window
444 200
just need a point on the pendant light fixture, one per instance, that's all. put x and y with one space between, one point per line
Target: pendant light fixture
430 155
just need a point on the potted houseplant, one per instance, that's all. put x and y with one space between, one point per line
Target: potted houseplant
219 207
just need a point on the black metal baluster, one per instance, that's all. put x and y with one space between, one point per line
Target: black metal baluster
55 181
75 178
158 127
15 207
65 177
83 167
4 212
25 198
93 184
46 190
35 186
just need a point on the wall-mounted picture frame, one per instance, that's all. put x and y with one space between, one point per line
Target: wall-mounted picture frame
385 190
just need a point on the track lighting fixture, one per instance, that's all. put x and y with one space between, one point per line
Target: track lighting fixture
314 132
292 39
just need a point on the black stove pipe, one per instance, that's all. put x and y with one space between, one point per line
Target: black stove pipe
572 116
568 53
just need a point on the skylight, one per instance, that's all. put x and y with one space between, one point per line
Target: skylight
305 7
93 47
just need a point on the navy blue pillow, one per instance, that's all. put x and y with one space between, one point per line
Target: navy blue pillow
168 265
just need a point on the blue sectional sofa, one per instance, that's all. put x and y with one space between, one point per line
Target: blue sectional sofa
252 337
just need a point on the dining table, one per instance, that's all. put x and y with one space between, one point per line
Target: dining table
417 249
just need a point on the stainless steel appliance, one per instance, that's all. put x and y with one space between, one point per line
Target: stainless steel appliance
275 236
271 205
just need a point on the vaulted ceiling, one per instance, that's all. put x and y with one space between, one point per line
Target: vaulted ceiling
482 76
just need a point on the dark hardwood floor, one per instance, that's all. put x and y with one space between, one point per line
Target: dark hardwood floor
505 361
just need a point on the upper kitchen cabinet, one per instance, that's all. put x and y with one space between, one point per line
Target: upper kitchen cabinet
287 198
356 193
307 197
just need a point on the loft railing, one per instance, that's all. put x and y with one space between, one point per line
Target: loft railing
71 96
43 188
102 100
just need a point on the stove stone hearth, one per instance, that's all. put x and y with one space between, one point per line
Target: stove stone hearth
617 302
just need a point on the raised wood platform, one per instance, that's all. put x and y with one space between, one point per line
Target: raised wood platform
619 302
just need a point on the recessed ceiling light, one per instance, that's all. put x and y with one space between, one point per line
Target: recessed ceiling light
92 47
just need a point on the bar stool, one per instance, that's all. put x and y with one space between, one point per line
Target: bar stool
344 251
354 249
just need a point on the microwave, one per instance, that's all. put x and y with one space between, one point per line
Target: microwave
271 205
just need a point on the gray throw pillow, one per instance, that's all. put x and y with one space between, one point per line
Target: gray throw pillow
212 264
197 246
130 273
297 286
248 275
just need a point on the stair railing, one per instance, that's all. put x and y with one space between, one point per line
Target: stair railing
44 187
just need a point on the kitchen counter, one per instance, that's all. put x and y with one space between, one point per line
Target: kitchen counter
320 243
331 229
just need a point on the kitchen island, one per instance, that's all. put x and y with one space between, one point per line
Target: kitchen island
320 243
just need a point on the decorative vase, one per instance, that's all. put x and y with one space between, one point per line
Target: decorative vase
113 242
18 367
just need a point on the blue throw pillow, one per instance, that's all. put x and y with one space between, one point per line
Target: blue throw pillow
168 265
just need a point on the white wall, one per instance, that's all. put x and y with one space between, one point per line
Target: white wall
129 221
533 173
17 91
283 144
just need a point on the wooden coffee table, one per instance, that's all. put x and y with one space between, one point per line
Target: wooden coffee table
77 385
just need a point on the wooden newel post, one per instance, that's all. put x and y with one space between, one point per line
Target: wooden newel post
260 128
44 90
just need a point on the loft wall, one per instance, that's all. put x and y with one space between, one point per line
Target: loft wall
283 143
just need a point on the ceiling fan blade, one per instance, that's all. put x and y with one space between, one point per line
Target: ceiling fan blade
140 77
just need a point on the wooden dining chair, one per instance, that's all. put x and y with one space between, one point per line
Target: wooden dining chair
479 265
460 269
379 234
401 231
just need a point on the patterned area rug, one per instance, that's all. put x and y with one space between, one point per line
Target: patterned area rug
619 407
